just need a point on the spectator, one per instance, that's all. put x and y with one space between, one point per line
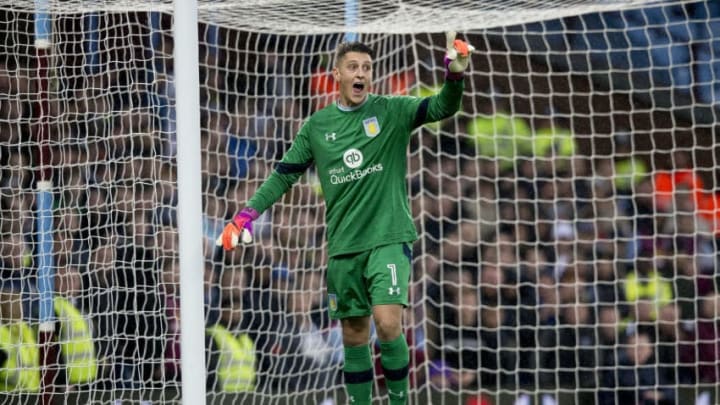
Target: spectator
702 347
241 152
548 300
637 378
311 360
432 280
643 211
262 316
323 87
501 137
16 229
481 206
97 264
232 361
97 221
13 267
646 290
16 174
609 333
234 296
606 289
683 233
492 285
169 371
13 276
547 307
571 287
680 173
141 315
498 348
569 337
629 167
477 343
564 248
231 350
690 285
526 308
458 247
552 141
77 348
670 334
19 351
576 342
460 339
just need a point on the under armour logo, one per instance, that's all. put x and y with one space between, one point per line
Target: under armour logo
352 399
330 136
394 291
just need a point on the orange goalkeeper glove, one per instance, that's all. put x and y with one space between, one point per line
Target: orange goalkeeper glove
457 56
239 229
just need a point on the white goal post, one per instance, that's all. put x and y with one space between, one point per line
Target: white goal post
567 215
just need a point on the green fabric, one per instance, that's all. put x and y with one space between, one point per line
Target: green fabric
357 282
357 359
394 355
446 103
426 90
360 157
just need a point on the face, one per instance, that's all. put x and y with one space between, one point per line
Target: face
609 320
639 348
354 74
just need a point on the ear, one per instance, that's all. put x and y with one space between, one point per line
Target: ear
336 74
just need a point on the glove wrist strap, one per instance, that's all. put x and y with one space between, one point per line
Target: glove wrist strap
449 74
247 213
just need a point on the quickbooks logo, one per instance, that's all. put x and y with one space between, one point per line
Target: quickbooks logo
353 158
336 176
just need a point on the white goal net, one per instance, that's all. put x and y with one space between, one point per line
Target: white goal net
567 214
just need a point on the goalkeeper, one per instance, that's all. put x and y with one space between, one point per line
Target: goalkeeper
359 148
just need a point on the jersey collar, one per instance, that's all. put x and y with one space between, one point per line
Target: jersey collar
348 109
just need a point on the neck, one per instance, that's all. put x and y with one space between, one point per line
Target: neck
346 107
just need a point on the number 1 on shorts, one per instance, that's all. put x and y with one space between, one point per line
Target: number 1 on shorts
394 289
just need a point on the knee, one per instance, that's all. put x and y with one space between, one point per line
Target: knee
356 332
388 328
353 338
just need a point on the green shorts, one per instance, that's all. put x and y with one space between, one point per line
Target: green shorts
358 281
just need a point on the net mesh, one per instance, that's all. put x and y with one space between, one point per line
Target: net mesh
567 214
373 16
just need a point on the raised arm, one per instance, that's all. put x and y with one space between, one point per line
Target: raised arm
447 102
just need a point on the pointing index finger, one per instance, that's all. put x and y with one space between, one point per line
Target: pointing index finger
450 40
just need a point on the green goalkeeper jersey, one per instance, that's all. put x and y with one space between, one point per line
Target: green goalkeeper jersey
360 155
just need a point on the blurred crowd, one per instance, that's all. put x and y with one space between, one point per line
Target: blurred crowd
538 265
